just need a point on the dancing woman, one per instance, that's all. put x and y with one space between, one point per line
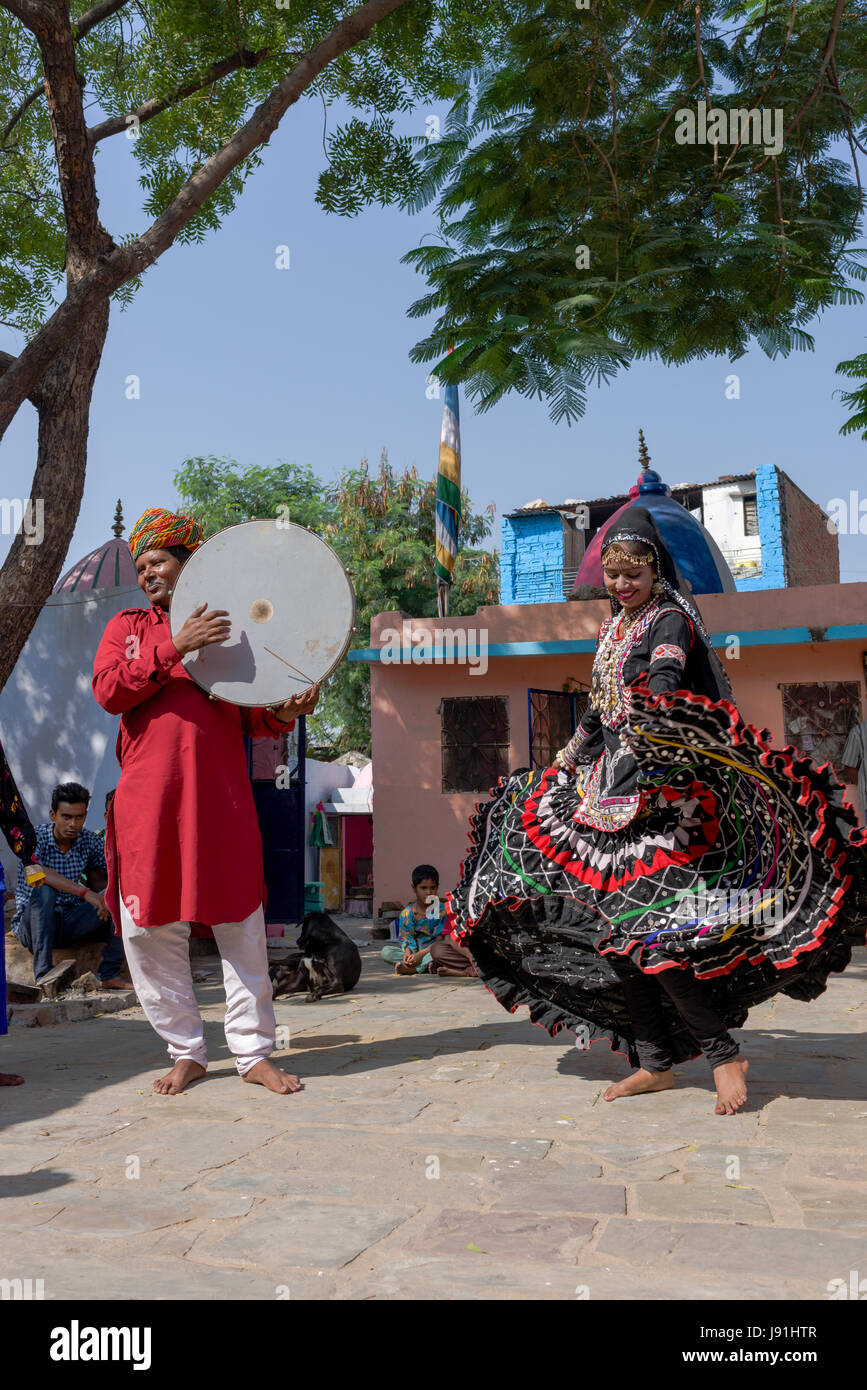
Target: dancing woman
671 869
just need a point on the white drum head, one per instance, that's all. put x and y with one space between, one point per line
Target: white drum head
290 603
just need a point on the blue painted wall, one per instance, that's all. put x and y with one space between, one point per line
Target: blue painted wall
773 575
531 559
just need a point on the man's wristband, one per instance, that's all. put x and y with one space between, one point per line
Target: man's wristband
83 891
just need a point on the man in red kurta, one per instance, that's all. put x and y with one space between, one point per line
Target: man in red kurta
183 841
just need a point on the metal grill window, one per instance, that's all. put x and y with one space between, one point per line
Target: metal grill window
751 516
817 719
475 742
554 716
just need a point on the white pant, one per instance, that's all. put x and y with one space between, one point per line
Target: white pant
159 963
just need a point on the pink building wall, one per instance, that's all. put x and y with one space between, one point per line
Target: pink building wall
414 821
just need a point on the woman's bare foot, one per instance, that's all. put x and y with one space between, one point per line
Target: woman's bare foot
264 1073
403 969
9 1078
731 1085
639 1082
178 1079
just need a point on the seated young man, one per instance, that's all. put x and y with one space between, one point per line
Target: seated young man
418 926
61 910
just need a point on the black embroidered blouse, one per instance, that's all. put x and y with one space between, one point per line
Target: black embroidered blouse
655 649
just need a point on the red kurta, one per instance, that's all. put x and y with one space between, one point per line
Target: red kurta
183 842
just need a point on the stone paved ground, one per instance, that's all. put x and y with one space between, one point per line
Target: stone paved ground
440 1149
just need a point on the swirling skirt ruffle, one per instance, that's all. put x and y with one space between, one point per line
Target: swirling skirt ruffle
745 863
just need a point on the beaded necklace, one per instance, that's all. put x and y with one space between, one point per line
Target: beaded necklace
608 694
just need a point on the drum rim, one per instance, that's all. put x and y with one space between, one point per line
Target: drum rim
287 526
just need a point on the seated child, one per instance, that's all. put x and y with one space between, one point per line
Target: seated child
451 957
418 926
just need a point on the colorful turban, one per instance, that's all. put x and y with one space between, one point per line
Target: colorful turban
157 529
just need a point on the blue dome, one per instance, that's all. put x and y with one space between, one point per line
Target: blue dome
696 553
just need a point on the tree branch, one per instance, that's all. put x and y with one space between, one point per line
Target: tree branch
702 77
79 29
19 112
6 361
827 59
782 223
116 124
91 18
124 263
31 12
85 235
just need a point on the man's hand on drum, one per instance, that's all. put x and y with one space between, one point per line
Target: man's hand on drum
296 705
202 628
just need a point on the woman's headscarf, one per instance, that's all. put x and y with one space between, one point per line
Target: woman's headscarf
638 526
157 529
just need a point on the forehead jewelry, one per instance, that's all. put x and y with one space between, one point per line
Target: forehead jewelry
614 554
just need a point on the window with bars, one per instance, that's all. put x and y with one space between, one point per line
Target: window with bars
475 742
751 515
554 716
817 718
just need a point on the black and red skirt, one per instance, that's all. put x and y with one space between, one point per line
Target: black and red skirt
744 863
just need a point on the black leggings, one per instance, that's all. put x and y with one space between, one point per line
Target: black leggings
693 1002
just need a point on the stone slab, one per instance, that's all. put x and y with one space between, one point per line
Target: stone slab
557 1191
506 1235
839 1207
807 1257
113 1214
188 1145
71 1010
702 1201
301 1233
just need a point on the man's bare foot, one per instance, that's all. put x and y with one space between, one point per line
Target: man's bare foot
117 983
264 1073
731 1085
9 1078
639 1082
178 1079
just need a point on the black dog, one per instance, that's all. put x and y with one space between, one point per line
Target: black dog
329 961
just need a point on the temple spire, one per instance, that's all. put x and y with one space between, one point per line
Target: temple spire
117 528
643 455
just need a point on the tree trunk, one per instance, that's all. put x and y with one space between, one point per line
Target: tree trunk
32 567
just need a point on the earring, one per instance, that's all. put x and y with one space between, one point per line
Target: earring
657 588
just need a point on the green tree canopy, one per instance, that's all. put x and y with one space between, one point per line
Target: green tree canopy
382 525
194 89
219 493
577 233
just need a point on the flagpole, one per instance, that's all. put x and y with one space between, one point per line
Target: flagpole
448 498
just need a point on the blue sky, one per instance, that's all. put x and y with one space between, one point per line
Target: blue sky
237 358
